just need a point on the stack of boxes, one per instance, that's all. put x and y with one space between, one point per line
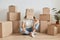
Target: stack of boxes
29 13
14 16
44 20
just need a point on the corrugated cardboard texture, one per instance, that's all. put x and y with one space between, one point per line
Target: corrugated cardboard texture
46 10
58 26
12 8
5 29
0 30
52 30
29 13
44 17
43 26
16 25
13 16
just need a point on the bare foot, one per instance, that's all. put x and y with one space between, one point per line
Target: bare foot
32 34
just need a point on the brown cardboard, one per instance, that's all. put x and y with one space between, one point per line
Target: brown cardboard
58 26
52 30
44 17
5 29
43 26
16 25
12 8
29 13
46 10
13 16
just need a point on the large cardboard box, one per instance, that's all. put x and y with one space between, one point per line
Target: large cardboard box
16 25
44 17
46 10
13 16
12 8
52 30
29 13
43 26
5 28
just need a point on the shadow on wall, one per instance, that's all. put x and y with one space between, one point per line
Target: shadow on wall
3 15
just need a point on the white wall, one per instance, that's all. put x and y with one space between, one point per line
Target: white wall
21 5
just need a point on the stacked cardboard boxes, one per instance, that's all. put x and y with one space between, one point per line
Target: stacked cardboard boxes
14 16
29 13
44 20
5 28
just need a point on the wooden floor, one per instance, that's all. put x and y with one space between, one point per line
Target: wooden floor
39 36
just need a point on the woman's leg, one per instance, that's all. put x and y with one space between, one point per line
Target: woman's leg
37 27
24 32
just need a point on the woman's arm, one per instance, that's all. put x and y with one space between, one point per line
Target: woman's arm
34 27
23 26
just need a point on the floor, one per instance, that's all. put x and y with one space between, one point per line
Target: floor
39 36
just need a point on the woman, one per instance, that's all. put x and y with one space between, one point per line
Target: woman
27 27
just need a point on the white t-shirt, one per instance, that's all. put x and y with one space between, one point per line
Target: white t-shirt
28 23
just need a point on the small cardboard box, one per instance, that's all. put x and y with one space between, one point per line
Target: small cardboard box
58 26
13 16
29 13
46 10
43 26
52 30
16 25
5 29
44 17
12 8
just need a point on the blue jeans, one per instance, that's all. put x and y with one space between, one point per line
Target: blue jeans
28 30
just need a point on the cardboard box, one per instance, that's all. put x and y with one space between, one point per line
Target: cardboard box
12 8
16 25
58 26
46 10
44 17
13 16
43 26
29 13
5 28
52 30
